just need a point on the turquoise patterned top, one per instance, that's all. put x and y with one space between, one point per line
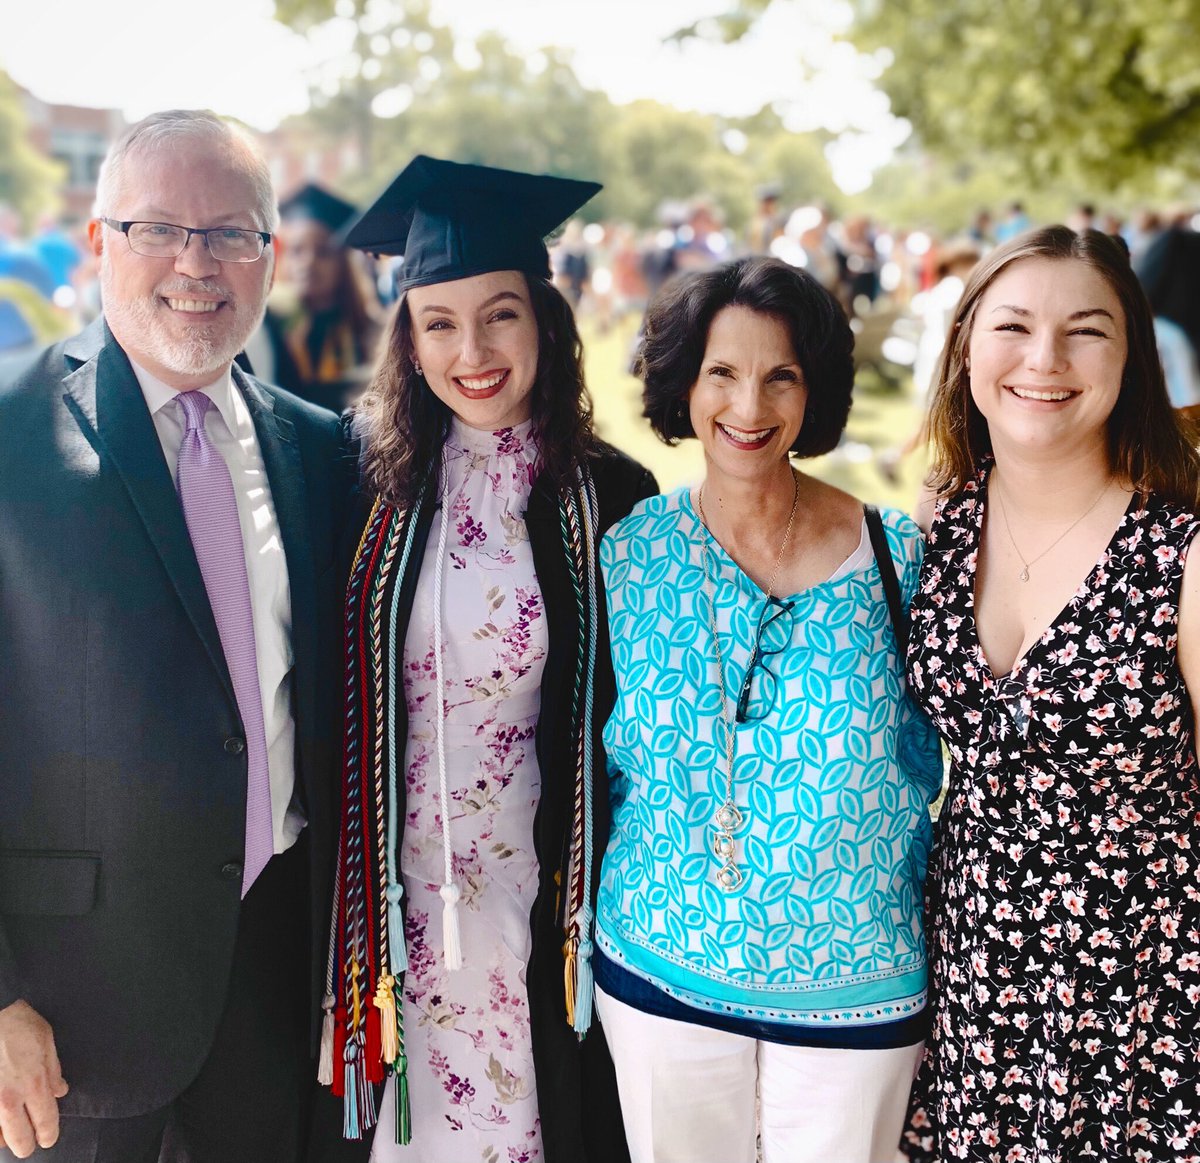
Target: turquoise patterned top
833 783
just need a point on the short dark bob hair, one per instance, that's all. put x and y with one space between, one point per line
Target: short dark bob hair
676 334
405 424
1147 446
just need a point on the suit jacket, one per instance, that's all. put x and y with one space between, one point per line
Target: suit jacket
122 774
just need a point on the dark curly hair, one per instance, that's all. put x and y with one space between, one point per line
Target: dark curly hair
1148 445
403 424
676 334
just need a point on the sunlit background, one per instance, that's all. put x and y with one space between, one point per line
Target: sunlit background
881 143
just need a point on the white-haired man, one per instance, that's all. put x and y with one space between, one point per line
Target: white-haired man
168 683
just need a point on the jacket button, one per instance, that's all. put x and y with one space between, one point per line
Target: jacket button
232 870
235 745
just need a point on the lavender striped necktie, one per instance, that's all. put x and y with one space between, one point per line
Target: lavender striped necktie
210 510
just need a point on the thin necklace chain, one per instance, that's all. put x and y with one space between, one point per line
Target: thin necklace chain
728 817
1024 574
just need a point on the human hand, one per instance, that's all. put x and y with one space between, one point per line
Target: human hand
31 1081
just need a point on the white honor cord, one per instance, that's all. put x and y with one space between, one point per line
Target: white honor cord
451 940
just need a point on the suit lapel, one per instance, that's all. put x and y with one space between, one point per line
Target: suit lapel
285 473
109 401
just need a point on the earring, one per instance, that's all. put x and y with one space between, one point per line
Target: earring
417 368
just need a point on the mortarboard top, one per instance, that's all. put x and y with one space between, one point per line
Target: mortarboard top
318 204
451 221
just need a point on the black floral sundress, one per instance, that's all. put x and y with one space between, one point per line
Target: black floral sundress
1064 892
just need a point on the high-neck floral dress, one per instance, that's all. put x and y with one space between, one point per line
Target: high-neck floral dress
467 1033
1064 895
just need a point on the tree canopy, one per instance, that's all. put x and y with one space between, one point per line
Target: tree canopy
486 103
28 179
1103 94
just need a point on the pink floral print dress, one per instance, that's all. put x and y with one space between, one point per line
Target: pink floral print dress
1064 892
467 1033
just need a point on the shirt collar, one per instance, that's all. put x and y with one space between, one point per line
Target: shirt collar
159 395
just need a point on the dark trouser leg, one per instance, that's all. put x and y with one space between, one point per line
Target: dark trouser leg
135 1140
250 1102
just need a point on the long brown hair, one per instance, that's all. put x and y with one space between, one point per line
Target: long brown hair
404 424
1147 445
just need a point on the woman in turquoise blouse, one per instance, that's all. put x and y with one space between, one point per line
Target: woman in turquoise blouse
759 960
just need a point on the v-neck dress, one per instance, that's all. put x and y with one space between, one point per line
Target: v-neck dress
1064 892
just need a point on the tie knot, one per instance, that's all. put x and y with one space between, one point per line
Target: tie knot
195 406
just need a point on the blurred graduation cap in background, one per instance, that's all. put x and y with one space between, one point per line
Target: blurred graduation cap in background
317 204
451 221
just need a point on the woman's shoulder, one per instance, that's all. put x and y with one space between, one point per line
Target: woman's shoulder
651 517
621 482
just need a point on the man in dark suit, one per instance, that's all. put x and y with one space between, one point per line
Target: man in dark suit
168 691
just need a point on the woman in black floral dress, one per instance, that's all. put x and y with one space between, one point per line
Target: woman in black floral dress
1056 644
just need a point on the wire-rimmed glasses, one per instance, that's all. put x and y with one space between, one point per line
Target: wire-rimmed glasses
773 636
166 240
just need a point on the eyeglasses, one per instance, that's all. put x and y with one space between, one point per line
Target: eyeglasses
164 240
773 636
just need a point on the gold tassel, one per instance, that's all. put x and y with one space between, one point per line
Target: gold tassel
385 1002
570 976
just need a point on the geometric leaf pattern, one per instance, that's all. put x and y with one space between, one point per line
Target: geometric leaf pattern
833 785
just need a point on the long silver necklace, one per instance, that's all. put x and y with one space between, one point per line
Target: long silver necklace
728 817
1024 574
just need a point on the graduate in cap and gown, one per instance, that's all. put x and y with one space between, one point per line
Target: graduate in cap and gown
323 321
475 806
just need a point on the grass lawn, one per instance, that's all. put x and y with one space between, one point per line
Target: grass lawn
882 416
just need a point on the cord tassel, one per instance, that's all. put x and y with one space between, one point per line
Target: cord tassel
351 1127
451 940
325 1057
584 986
385 1002
570 976
395 922
403 1109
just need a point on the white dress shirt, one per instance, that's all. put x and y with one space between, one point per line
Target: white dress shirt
230 428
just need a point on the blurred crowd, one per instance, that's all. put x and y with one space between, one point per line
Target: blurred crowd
897 286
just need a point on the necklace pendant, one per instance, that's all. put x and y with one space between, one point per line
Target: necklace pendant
1024 574
729 878
728 818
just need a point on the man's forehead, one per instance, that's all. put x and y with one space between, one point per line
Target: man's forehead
158 182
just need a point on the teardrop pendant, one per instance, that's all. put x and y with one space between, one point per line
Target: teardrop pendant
1024 574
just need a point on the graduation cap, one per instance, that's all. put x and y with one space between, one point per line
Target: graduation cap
451 221
315 203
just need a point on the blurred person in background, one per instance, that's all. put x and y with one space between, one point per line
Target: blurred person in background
859 263
1169 270
953 265
571 260
1014 222
768 221
323 319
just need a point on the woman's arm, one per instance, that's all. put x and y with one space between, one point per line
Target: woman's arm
1189 628
926 503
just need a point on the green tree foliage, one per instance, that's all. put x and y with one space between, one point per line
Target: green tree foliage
1102 94
493 106
1071 88
28 180
384 54
488 104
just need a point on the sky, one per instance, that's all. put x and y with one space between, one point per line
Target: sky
142 55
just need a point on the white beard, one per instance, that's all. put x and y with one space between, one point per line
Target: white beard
207 349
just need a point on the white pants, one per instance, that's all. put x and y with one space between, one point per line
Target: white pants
690 1094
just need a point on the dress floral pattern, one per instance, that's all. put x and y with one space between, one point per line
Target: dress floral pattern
467 1033
1064 898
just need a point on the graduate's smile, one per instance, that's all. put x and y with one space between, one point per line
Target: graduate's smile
476 342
